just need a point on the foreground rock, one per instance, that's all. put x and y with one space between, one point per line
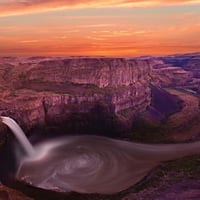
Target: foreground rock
11 194
185 189
173 180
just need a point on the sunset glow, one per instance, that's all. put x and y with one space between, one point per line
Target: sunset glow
108 28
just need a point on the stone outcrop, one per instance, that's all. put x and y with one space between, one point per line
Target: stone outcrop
43 90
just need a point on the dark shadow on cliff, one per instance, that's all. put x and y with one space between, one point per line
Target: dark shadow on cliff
8 164
151 126
99 121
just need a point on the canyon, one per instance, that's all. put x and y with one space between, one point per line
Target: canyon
184 70
103 96
46 91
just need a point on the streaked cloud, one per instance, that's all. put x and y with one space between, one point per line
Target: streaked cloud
29 41
20 7
96 25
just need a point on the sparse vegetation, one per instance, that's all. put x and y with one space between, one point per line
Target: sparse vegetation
149 132
63 87
22 75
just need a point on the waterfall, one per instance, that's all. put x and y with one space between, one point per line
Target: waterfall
18 132
91 164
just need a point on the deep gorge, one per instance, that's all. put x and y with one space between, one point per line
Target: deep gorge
122 98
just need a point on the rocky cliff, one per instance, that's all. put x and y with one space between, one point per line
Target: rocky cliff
38 91
170 76
190 64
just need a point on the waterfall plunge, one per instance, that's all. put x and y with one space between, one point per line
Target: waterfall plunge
18 132
91 164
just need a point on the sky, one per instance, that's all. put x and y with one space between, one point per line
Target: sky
99 28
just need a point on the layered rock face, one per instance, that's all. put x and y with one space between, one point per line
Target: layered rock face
190 64
39 91
102 72
169 75
180 70
185 61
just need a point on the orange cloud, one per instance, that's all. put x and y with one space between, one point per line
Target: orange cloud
15 7
110 33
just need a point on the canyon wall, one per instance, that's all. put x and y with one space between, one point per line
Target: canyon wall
190 64
168 74
40 91
102 72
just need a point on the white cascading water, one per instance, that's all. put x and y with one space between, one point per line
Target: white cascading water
91 164
18 132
